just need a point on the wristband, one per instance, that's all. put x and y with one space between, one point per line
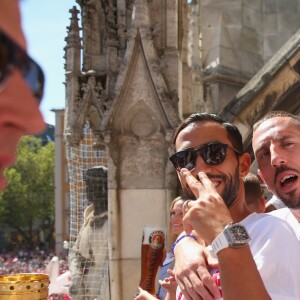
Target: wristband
182 237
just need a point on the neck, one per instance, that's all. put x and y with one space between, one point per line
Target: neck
239 210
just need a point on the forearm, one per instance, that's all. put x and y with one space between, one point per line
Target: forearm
239 275
170 296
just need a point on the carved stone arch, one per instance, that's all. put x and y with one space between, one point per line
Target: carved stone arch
82 114
142 121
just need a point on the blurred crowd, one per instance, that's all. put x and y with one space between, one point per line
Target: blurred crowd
28 262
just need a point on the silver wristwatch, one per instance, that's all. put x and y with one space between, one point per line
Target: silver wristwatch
234 235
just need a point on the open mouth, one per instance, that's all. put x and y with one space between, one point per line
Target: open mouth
288 180
177 225
216 181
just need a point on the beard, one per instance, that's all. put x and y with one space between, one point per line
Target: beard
230 191
290 199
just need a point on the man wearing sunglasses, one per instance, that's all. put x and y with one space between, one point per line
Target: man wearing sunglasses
21 86
211 164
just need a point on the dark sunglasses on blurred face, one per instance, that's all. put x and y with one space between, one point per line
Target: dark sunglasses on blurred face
212 154
13 56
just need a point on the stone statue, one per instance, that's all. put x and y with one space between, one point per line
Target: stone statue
89 255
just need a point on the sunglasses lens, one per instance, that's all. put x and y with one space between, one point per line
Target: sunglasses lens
12 56
5 58
184 159
34 78
213 154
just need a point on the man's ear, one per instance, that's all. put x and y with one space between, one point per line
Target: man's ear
245 163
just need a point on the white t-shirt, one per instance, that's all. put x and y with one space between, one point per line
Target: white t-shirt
276 252
286 214
276 202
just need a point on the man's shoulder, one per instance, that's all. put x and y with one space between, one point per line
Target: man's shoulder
256 219
286 215
266 224
281 213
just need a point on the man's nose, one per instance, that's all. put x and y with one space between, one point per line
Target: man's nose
200 165
277 156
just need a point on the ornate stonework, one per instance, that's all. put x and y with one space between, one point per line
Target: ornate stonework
143 65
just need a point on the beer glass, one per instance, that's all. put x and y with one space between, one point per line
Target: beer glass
24 286
152 256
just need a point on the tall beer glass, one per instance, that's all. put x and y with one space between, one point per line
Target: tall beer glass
152 256
24 286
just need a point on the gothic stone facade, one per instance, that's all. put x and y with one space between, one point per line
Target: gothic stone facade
136 68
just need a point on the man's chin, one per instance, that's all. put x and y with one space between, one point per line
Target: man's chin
292 201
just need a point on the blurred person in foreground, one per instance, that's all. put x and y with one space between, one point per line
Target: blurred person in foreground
175 228
254 193
21 87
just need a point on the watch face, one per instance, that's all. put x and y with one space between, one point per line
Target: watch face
237 235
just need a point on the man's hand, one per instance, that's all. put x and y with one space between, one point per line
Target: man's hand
208 215
169 283
191 271
143 295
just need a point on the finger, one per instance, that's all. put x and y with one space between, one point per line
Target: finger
199 289
207 183
208 288
196 186
185 208
211 258
184 291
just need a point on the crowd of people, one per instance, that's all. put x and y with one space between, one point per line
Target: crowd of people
29 262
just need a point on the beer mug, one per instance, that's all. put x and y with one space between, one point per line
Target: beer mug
152 256
24 286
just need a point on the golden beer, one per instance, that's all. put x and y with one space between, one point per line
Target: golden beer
152 256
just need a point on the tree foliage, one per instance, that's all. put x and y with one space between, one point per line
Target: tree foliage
27 204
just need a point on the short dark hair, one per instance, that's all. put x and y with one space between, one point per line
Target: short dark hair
278 113
253 188
233 132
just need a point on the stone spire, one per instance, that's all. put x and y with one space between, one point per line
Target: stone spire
195 60
73 71
73 47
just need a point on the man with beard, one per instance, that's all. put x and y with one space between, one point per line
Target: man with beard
211 164
276 145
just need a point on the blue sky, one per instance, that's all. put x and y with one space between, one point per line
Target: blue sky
45 26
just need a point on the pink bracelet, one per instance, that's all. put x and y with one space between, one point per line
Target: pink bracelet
182 237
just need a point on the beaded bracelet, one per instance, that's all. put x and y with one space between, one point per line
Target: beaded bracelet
182 237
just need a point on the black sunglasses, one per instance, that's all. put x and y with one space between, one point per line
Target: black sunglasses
13 56
212 154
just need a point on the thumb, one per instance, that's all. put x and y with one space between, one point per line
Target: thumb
211 258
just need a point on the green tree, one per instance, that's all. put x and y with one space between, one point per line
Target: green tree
27 204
